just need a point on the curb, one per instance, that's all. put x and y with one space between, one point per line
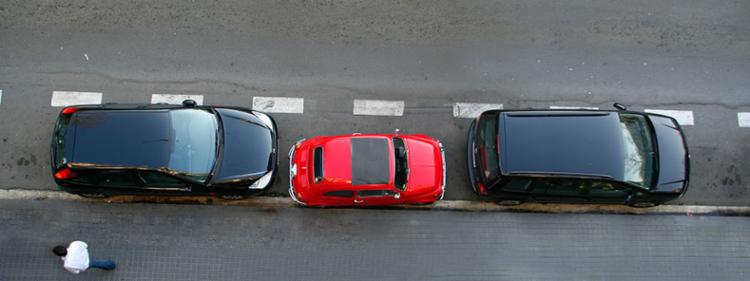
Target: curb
446 205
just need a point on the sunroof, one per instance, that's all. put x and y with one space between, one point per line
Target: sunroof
370 161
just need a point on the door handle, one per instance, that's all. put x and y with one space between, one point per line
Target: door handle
358 201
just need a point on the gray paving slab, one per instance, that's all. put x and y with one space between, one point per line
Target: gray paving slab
193 242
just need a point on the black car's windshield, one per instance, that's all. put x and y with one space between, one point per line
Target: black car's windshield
488 146
638 150
401 167
193 148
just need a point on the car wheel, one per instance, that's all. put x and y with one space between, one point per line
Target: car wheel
644 205
93 195
232 197
509 202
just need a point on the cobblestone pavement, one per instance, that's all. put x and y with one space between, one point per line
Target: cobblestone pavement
196 242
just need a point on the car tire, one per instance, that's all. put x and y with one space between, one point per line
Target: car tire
231 197
509 202
644 205
93 195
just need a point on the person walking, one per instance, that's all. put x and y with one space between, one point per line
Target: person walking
76 258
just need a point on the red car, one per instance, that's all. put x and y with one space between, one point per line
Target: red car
367 170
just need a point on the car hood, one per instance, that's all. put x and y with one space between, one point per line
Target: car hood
673 155
248 146
425 165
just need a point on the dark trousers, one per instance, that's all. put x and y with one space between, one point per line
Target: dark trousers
102 264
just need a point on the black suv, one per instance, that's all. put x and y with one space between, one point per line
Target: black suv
99 150
594 156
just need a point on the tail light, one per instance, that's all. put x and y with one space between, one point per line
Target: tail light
69 110
482 189
65 174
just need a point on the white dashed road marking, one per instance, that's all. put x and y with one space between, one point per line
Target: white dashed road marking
176 99
64 98
1 96
743 119
683 117
379 107
279 104
472 110
573 107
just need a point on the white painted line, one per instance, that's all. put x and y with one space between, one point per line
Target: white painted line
64 98
176 99
683 117
573 107
743 119
379 107
1 96
279 104
472 110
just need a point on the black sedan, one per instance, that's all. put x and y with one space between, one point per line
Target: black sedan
101 150
589 156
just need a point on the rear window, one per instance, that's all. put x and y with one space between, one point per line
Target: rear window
488 146
318 164
59 140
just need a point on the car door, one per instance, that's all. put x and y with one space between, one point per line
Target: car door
518 188
607 192
376 197
119 181
566 190
338 198
162 183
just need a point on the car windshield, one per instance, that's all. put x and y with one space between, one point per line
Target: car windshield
638 150
193 148
401 168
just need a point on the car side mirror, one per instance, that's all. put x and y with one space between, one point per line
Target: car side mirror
620 106
188 103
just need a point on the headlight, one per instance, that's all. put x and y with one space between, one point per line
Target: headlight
262 181
265 119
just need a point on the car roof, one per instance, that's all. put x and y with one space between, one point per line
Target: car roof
355 161
126 138
370 161
578 143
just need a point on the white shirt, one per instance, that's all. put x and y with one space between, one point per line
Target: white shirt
77 259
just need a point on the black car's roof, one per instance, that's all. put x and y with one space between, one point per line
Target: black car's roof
141 136
125 138
583 143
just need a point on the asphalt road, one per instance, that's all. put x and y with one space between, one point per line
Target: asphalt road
192 242
681 54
